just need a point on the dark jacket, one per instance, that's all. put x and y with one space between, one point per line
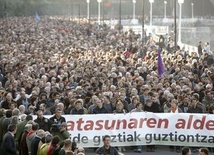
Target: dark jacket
196 109
5 104
20 102
101 110
155 107
34 145
1 128
102 151
44 123
55 120
23 149
8 144
6 122
74 111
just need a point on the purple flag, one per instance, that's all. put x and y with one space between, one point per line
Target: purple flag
160 64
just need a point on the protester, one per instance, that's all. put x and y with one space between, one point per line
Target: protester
54 148
66 147
203 151
22 143
43 150
48 65
31 135
186 151
21 128
44 123
8 146
106 148
35 142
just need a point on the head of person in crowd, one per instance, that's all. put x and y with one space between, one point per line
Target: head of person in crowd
35 127
139 106
28 127
174 105
60 106
63 127
31 109
81 151
195 99
43 107
186 151
78 104
58 113
2 112
119 107
67 145
106 141
48 138
55 141
40 114
203 151
40 133
211 109
29 118
9 113
22 109
99 103
43 96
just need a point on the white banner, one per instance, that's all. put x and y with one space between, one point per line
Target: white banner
162 30
142 129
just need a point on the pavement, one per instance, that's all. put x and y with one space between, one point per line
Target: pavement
160 150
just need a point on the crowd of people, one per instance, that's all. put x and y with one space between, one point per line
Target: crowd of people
58 67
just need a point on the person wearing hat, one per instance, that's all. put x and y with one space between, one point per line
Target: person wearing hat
78 109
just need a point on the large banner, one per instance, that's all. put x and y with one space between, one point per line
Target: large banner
142 129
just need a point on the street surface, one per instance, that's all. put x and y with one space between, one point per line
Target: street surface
160 150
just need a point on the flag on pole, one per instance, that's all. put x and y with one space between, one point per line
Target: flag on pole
37 17
160 64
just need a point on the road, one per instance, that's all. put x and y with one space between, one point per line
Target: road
160 150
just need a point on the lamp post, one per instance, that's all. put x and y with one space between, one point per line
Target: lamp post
165 3
175 24
179 26
134 2
143 36
192 4
120 12
151 1
98 19
79 12
88 9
